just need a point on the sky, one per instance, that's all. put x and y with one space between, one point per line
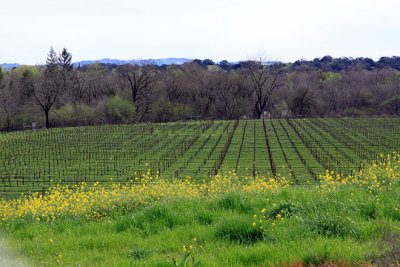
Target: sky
285 30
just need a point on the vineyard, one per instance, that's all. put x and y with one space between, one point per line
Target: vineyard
298 149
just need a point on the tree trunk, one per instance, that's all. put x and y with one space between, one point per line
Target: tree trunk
46 112
134 95
144 113
258 111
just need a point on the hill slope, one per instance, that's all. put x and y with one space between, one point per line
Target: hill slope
298 149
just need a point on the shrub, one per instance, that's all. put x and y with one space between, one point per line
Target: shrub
238 229
170 111
392 105
120 110
333 226
233 202
73 115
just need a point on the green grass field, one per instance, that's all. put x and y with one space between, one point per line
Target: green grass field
299 149
165 194
295 226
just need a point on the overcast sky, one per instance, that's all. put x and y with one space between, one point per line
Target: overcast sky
234 30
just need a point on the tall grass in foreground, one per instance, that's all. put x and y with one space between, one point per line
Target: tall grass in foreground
229 220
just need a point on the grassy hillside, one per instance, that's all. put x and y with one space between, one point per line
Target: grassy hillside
227 221
298 149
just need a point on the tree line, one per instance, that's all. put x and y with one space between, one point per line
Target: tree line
61 94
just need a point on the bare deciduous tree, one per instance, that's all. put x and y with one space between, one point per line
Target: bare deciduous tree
137 78
47 88
12 98
264 80
229 102
171 80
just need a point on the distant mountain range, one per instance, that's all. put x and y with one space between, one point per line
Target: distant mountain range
158 61
9 66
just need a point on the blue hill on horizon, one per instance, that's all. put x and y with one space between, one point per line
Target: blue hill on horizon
158 61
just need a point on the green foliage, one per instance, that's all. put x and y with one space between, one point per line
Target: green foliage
333 226
329 77
301 150
329 229
368 209
2 121
214 68
163 215
280 109
366 100
233 202
337 227
139 254
288 208
79 114
24 70
238 229
353 112
170 111
122 224
120 110
392 104
204 217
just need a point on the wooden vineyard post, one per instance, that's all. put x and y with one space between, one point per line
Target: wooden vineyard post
254 150
241 147
271 161
221 158
283 151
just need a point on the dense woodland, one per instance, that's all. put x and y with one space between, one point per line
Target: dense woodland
61 94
